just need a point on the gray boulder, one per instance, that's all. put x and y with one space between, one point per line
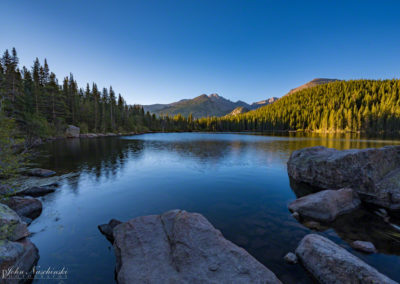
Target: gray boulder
72 131
11 226
330 263
24 206
22 255
181 247
326 205
373 173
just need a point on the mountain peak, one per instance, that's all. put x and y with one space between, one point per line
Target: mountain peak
312 83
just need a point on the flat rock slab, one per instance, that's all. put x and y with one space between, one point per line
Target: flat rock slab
374 173
37 191
24 206
182 247
326 205
41 172
332 264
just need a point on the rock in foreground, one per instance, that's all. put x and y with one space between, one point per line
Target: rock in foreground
16 258
373 173
326 205
330 263
182 247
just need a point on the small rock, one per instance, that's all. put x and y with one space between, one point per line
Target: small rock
41 172
72 131
25 206
290 258
26 220
107 229
330 263
366 247
296 215
326 205
11 226
313 225
37 191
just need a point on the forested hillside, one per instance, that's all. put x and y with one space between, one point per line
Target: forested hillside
41 106
358 105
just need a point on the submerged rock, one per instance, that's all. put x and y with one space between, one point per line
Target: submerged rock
11 226
41 172
373 173
326 205
17 257
367 247
330 263
27 207
72 131
181 247
290 258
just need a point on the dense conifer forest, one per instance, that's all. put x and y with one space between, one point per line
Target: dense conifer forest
357 106
40 106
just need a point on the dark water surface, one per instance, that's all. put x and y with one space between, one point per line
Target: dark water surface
238 182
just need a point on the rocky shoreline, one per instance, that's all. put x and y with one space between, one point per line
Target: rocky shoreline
180 247
18 208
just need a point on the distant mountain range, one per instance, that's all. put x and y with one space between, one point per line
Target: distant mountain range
215 105
203 106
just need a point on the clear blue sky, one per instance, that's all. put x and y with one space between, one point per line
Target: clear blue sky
163 51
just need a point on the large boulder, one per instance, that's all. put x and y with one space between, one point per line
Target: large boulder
373 173
17 260
11 226
181 247
326 205
72 131
24 206
330 263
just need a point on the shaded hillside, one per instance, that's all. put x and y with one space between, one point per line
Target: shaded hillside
312 83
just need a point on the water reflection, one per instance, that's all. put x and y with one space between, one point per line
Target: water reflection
238 181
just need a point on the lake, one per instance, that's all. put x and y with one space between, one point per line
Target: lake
239 182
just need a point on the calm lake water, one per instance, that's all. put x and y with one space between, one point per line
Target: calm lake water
238 182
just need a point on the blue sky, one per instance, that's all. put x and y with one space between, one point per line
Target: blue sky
162 51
